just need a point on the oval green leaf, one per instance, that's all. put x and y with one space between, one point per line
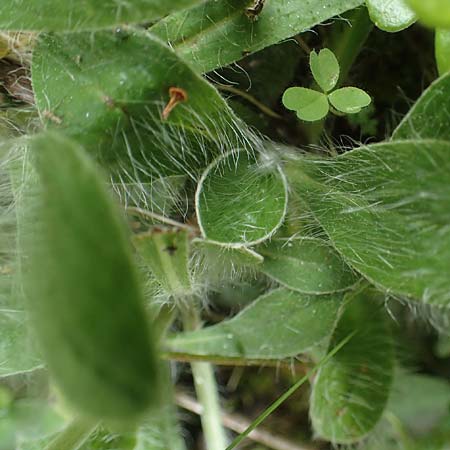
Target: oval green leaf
306 265
429 117
349 100
390 15
279 324
61 15
351 391
82 288
309 105
241 199
99 89
325 68
434 13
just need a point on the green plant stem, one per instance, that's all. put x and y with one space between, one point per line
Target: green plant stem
346 43
73 436
277 403
206 389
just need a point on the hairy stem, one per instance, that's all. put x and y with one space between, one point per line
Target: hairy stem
206 389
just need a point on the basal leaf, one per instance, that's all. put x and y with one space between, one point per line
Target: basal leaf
241 199
349 100
306 265
100 89
434 13
390 15
61 15
200 41
443 50
82 288
309 105
325 68
386 209
350 392
277 325
429 117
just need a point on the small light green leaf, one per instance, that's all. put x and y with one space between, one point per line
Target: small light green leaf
165 252
306 265
200 41
241 199
350 392
434 13
325 68
386 209
349 100
308 104
390 15
429 117
56 15
279 324
443 50
82 288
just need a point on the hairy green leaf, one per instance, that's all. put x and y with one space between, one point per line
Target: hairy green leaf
61 15
386 208
198 34
82 288
435 13
306 265
241 199
349 100
390 15
443 50
429 117
325 68
309 105
350 392
279 324
105 90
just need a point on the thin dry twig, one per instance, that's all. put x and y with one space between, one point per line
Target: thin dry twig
238 424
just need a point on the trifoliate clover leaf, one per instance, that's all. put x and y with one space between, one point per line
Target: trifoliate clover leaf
325 68
349 100
308 104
